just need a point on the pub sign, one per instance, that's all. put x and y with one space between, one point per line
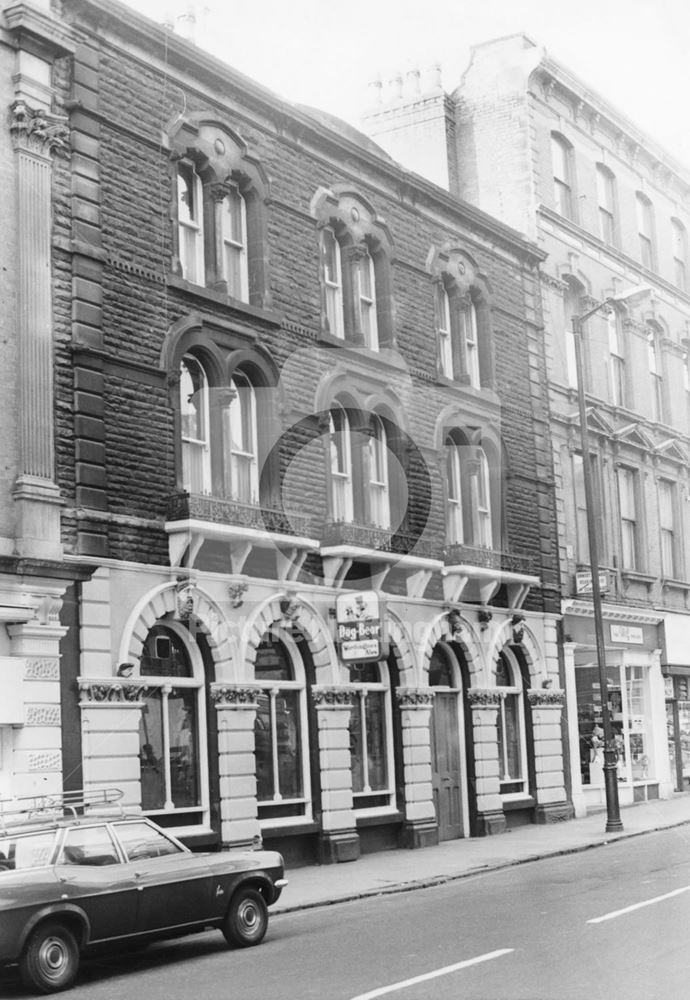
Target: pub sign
359 622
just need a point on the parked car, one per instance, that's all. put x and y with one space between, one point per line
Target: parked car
78 871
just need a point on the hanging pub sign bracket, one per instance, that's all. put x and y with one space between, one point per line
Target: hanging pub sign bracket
360 627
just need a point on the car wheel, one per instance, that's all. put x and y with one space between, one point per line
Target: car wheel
246 920
50 959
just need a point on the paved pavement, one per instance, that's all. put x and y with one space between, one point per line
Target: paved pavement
402 870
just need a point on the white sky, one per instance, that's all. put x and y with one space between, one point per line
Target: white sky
635 53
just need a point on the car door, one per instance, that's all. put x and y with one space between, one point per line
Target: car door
174 886
90 870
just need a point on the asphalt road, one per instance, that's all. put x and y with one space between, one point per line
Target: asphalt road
605 924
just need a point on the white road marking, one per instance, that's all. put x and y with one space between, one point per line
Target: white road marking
433 975
638 906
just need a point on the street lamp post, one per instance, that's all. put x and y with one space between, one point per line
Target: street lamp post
613 819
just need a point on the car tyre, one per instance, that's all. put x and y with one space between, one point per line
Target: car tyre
50 960
246 920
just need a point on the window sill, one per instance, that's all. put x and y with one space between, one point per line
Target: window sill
629 576
269 828
670 584
521 802
240 309
386 355
379 818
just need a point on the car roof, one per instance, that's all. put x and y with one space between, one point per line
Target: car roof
63 809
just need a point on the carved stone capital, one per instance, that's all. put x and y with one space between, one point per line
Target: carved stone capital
38 131
226 696
115 692
483 698
333 697
414 697
546 699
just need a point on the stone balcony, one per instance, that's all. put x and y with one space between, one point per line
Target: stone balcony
343 543
193 519
475 573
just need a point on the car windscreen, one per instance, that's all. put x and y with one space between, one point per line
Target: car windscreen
22 851
142 840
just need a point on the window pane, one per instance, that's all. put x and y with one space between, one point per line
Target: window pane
263 748
289 745
376 739
151 752
143 841
509 739
184 754
90 845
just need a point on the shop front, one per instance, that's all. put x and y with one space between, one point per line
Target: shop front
635 693
676 671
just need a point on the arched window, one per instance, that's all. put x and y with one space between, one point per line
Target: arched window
242 440
371 751
190 223
680 253
443 327
342 508
655 372
378 492
468 323
170 749
616 358
561 157
484 512
366 300
645 229
234 237
194 426
454 476
355 270
333 282
281 741
512 768
606 194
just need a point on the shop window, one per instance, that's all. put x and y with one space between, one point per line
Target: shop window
195 426
279 735
512 768
630 715
370 742
170 752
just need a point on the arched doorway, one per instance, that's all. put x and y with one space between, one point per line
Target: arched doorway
447 765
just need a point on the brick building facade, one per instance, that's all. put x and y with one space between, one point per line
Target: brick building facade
300 393
535 146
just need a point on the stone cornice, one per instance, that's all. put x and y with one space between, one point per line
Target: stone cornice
583 609
37 131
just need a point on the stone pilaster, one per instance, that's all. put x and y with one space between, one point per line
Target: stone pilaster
111 713
546 707
420 828
236 707
339 839
36 755
484 704
36 136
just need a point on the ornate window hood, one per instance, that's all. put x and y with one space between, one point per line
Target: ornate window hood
194 520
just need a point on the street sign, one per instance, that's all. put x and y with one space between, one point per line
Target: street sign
583 582
359 618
